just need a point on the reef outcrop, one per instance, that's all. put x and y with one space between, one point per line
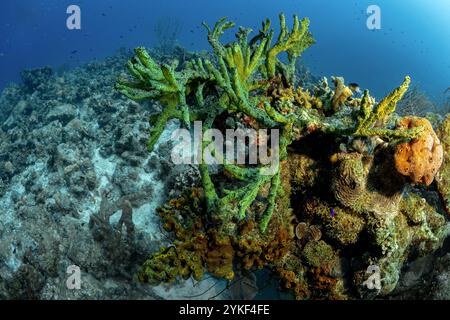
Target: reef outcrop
342 198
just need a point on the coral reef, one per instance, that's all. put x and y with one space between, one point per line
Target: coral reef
239 65
339 200
350 190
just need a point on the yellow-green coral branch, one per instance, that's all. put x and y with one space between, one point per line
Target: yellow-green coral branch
271 202
367 117
292 42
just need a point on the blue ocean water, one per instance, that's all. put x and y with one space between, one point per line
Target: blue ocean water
414 37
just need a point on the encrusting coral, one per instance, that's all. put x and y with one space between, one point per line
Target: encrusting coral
338 191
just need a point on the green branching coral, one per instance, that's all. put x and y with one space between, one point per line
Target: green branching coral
235 76
237 84
158 82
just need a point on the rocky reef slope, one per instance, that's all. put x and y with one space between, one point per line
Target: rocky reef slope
78 187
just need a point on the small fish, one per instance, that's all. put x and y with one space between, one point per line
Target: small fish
332 212
2 54
74 51
354 87
104 14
